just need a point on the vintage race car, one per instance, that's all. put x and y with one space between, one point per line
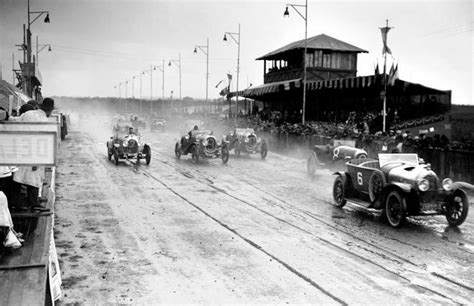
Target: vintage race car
201 144
397 185
128 147
138 123
246 141
333 154
158 124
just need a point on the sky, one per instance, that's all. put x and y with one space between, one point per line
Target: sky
99 45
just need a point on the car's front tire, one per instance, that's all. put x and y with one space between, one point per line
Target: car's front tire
395 209
116 157
312 163
147 152
264 150
338 192
195 154
177 150
225 154
456 211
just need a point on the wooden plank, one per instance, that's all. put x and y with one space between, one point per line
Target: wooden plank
13 267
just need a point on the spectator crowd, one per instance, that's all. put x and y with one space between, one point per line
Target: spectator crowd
20 186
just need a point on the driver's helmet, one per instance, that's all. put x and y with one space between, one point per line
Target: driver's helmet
130 130
196 128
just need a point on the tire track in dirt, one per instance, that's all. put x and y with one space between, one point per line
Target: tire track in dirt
295 212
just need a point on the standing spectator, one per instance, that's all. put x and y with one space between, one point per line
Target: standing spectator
32 176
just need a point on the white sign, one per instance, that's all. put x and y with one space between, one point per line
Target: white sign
28 148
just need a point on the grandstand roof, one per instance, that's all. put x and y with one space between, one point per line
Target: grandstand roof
318 42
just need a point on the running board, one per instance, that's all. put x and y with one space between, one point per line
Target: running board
363 205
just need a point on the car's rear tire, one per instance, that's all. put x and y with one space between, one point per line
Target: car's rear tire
377 182
195 154
312 163
456 211
177 150
338 192
395 209
264 150
225 154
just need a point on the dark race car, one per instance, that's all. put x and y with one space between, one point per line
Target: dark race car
397 186
201 144
339 151
246 141
129 146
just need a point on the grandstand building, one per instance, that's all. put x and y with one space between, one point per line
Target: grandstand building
334 89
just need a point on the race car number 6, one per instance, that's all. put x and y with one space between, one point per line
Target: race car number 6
359 178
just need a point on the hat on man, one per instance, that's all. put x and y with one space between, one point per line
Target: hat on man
33 103
47 105
26 107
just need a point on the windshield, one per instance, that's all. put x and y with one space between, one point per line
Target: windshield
409 158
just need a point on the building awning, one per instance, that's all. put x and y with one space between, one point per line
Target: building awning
7 90
270 88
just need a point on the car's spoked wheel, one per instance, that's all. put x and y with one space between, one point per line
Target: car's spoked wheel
376 184
225 154
456 211
395 209
148 155
338 192
264 150
116 157
311 164
195 154
177 151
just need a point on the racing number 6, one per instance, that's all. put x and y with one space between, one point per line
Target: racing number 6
359 178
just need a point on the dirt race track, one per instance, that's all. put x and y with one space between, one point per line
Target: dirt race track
252 231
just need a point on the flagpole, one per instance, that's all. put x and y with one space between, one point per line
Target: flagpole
385 86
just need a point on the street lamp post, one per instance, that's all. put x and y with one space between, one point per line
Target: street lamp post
28 75
237 41
205 50
43 46
162 69
133 87
177 63
141 98
305 17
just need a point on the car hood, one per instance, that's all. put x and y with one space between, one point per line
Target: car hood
408 173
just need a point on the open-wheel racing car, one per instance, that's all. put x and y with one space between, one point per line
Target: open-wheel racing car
397 186
201 144
339 151
128 147
246 141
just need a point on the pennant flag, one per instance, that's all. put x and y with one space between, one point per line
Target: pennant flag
229 76
393 75
217 85
385 49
